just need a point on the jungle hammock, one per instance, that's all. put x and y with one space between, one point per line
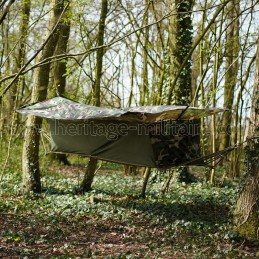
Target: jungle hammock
152 136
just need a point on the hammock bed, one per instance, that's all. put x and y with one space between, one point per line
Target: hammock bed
152 136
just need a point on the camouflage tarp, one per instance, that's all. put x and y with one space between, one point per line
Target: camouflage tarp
152 136
60 108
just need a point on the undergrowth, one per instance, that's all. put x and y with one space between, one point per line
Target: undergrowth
190 220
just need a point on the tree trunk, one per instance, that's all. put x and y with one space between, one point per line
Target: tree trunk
213 117
91 167
5 50
246 217
237 134
131 170
6 11
30 158
144 88
232 50
180 44
60 67
166 184
59 76
158 74
89 175
21 55
145 181
204 140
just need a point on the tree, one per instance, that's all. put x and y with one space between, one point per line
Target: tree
232 50
6 10
246 216
18 59
144 74
180 44
30 158
91 167
20 55
59 68
147 60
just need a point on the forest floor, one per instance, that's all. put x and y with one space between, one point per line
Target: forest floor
189 221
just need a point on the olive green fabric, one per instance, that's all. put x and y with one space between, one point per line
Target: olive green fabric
97 139
151 136
160 145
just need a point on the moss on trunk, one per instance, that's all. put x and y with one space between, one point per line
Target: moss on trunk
250 228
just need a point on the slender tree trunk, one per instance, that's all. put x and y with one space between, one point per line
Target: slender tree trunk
89 175
60 67
232 50
5 115
246 217
213 92
158 73
166 184
145 181
133 74
144 89
131 170
30 158
180 44
201 63
21 55
236 154
6 11
213 117
91 167
100 53
58 84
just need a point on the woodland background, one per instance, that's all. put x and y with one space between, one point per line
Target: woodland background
121 53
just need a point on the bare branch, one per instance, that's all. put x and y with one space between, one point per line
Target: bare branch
36 54
6 11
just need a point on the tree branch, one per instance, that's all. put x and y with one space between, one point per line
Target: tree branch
6 11
36 54
193 48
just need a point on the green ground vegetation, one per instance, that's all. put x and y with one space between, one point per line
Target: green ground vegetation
190 220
